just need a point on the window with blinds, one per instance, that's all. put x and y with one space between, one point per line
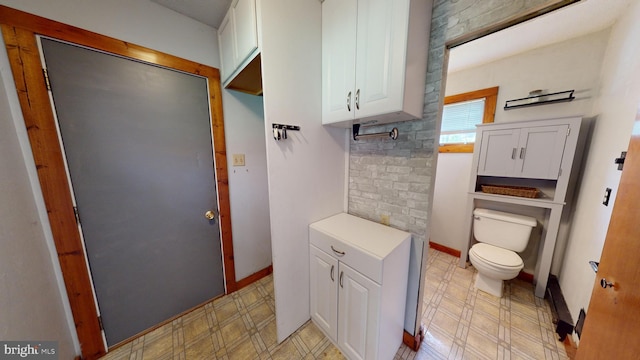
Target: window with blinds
459 122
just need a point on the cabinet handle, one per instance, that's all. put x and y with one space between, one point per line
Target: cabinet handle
513 154
349 101
358 99
341 273
338 252
522 152
332 279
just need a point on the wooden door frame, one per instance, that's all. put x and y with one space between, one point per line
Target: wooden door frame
19 30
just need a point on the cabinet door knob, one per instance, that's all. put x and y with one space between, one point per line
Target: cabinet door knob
341 273
332 267
513 154
522 152
349 101
358 99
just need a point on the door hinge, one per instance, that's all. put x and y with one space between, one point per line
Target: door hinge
47 83
568 131
77 214
620 160
100 323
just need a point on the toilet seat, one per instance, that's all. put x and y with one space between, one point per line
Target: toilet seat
497 257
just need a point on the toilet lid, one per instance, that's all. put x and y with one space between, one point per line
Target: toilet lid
496 255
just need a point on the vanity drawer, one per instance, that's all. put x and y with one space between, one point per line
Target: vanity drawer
366 263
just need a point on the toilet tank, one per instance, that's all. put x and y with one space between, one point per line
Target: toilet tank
501 229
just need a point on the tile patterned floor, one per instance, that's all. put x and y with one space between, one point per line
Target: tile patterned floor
465 323
460 321
237 326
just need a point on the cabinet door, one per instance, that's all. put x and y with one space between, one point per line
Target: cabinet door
498 151
359 302
324 291
381 56
338 60
227 43
246 30
540 152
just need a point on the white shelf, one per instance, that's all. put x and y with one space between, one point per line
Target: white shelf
543 203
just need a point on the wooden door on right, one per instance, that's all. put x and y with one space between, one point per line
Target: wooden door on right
611 329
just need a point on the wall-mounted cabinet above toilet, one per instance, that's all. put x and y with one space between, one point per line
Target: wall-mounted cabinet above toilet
541 154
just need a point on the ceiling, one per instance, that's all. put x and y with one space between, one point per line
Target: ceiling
210 12
582 18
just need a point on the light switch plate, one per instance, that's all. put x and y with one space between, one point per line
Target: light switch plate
238 159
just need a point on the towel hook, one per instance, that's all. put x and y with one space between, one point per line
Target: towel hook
393 134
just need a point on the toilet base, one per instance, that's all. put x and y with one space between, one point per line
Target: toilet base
489 285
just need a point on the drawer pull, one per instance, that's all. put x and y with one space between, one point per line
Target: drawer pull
332 279
338 252
341 273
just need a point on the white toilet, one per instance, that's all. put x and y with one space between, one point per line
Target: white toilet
500 235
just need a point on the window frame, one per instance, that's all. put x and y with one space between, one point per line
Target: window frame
490 96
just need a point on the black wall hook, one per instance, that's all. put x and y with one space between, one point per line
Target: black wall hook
280 130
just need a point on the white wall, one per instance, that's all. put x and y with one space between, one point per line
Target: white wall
140 22
248 190
306 171
147 24
616 109
573 64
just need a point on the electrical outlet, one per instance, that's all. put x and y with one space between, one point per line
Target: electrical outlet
238 159
384 219
607 195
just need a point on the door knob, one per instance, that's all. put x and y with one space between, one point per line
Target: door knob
210 215
604 283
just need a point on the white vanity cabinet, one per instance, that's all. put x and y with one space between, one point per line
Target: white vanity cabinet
238 39
358 284
374 60
530 152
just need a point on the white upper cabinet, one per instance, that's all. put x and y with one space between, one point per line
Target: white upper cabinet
227 43
338 60
527 152
541 150
239 48
246 29
498 150
374 60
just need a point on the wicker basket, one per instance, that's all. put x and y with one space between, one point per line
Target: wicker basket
520 191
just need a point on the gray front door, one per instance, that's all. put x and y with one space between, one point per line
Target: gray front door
137 140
